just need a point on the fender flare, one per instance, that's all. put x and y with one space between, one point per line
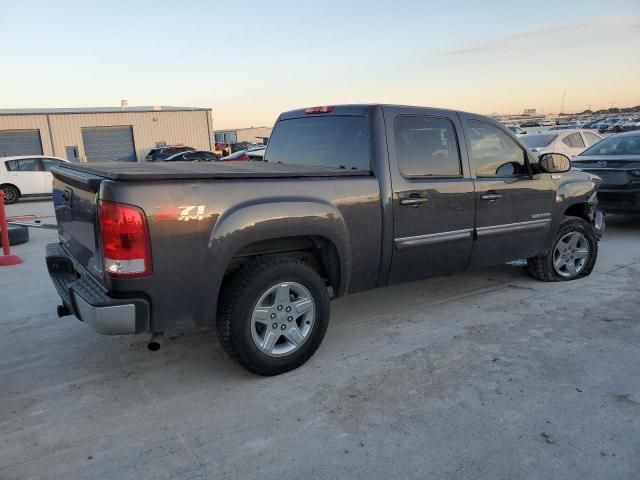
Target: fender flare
252 222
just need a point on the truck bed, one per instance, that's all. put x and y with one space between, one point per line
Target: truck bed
137 171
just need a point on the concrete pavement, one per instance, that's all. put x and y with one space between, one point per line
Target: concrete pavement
483 375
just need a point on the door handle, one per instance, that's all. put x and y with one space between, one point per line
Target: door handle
413 201
491 197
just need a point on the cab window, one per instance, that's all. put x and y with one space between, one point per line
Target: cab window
426 147
493 152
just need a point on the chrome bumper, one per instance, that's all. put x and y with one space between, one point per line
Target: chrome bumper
107 320
83 296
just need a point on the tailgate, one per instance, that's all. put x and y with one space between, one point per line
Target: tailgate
75 196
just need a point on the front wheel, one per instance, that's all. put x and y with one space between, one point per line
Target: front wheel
273 315
572 255
11 194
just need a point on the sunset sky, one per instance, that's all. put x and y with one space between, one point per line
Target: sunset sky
249 61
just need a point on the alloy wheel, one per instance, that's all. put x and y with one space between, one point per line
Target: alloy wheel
282 319
571 254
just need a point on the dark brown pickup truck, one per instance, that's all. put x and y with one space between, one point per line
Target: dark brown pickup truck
347 198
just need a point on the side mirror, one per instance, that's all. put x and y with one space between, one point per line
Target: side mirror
554 163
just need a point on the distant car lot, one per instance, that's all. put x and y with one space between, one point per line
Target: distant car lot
488 375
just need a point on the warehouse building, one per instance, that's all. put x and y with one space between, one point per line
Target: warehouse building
258 135
102 134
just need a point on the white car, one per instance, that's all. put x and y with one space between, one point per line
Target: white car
516 129
570 142
26 175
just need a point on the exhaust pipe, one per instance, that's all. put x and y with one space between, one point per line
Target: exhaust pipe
155 342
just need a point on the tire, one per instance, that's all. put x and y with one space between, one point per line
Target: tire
571 228
17 235
11 194
242 310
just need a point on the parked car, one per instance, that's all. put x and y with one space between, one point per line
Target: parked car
192 156
593 124
349 198
257 152
608 124
161 153
239 156
616 160
530 123
568 142
567 126
516 129
28 175
629 125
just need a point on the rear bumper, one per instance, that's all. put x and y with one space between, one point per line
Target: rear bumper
89 302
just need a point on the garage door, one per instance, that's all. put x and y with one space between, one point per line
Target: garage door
20 142
108 144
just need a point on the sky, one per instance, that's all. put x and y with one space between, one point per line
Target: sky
251 60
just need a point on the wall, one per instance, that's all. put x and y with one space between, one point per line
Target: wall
250 134
187 127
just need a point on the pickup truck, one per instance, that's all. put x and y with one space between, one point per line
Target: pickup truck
347 199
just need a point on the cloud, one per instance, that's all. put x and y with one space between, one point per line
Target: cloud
543 35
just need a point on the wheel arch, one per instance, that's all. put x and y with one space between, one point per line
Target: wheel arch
320 252
9 184
582 210
312 228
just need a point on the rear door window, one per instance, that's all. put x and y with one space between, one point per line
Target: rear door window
426 146
591 138
574 141
329 141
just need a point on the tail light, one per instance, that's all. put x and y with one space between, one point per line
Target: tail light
124 235
316 110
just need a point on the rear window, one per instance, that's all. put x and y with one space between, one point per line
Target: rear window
331 141
537 141
616 145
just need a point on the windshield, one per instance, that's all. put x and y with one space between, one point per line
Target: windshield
537 141
623 145
331 141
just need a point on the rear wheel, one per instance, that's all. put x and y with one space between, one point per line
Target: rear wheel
11 194
273 315
572 255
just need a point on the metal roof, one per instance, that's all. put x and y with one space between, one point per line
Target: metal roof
54 111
